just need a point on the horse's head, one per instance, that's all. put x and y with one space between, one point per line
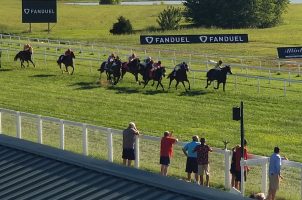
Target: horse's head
72 54
227 68
185 66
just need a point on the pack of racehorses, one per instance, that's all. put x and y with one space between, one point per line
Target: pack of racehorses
115 71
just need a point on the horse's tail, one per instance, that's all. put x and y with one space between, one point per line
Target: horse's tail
17 56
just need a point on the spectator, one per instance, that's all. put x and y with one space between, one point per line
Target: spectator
233 166
203 160
128 143
274 173
166 151
237 165
191 165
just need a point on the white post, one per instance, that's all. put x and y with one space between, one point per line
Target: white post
18 125
136 164
45 55
289 79
279 66
85 140
110 145
0 118
242 176
299 70
227 178
269 76
264 177
40 136
62 135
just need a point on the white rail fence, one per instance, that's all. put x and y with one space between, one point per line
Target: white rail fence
86 128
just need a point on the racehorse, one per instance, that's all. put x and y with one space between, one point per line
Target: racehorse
114 69
157 75
134 67
180 75
218 74
67 61
24 56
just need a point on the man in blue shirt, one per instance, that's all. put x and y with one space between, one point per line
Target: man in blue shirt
274 173
191 165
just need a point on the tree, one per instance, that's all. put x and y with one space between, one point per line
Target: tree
169 18
123 26
235 13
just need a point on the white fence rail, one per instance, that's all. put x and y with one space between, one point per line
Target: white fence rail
39 120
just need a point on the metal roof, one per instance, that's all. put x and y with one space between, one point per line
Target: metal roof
33 171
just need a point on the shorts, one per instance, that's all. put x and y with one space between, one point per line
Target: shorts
164 160
204 169
233 169
274 181
192 165
128 154
238 176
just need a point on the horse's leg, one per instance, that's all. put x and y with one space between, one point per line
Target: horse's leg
218 83
32 63
177 82
189 84
223 84
72 69
207 83
153 83
145 83
159 82
27 63
170 83
183 83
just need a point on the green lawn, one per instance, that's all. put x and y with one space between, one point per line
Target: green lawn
270 117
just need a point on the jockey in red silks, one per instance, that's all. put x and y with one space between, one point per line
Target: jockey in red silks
154 68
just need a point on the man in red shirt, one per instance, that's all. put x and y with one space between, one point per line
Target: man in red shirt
166 151
238 155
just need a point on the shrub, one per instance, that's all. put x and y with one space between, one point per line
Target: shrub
109 2
169 18
123 26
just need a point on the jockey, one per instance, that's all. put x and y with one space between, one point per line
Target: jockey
67 53
178 67
27 47
132 57
155 66
110 61
218 65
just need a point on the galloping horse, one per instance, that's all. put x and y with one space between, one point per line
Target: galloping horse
134 67
157 75
180 75
218 74
24 56
114 69
67 61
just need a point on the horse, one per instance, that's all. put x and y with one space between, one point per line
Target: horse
134 67
157 75
218 74
114 69
180 75
67 61
24 56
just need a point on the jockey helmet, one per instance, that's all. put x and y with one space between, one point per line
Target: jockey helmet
219 62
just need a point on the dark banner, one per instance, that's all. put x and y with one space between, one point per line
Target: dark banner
39 11
289 52
187 39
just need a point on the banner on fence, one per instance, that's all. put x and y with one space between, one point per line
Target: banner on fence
289 52
186 39
39 11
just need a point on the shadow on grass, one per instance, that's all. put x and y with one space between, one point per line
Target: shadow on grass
120 90
85 85
153 92
5 70
193 93
42 75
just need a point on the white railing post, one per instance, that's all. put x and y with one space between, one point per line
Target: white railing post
242 176
258 85
62 134
85 140
40 132
18 125
0 120
284 88
227 178
264 177
136 164
110 145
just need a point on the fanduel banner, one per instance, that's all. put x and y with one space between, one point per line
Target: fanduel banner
289 52
187 39
39 11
